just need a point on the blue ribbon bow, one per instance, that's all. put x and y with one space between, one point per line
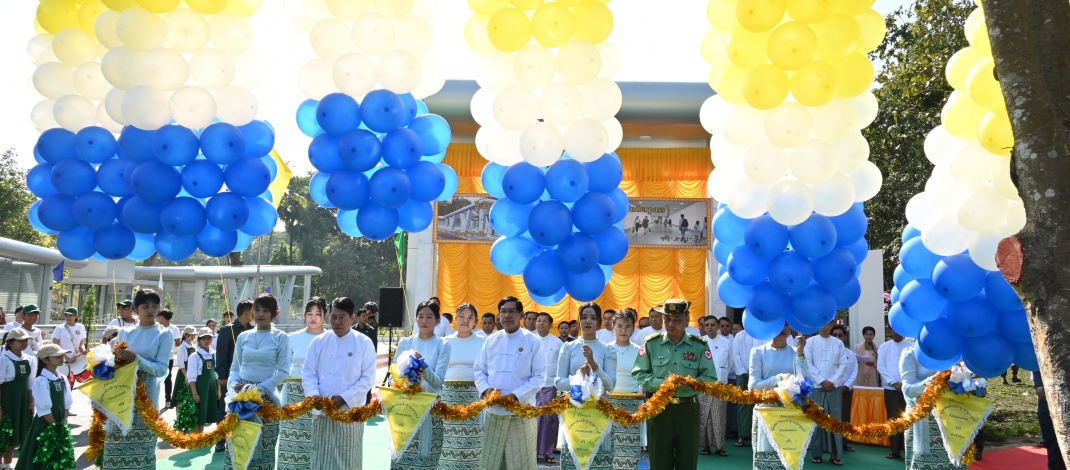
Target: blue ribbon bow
960 388
417 366
806 388
244 409
103 371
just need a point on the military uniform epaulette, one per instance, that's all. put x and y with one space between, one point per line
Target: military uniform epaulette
652 336
696 337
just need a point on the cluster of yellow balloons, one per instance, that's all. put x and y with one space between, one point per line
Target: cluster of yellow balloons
54 16
508 26
762 50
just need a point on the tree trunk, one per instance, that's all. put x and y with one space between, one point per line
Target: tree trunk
1031 48
235 259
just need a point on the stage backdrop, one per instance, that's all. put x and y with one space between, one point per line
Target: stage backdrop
646 277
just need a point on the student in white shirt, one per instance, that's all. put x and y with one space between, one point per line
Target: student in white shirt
18 320
30 315
164 319
70 336
826 365
888 355
126 315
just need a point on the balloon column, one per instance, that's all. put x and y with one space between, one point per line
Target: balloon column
545 74
791 164
377 150
948 291
157 188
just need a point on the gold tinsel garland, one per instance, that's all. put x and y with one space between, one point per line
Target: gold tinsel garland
96 436
168 434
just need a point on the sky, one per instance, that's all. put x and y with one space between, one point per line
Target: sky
655 43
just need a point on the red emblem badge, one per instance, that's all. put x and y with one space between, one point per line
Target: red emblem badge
642 350
709 355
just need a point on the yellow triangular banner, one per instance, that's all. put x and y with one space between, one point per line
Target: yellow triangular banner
282 179
585 428
789 432
243 443
404 414
115 396
959 418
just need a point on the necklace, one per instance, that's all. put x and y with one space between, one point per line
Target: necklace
261 340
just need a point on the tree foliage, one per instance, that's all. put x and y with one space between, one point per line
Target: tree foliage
15 202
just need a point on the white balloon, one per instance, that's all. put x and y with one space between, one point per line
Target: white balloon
971 165
113 104
75 112
515 108
424 8
720 183
331 38
393 8
834 196
1015 218
602 99
212 69
586 140
236 105
232 33
614 134
41 116
306 13
475 33
348 10
355 74
494 71
813 162
560 104
980 209
54 80
919 210
139 29
121 66
765 163
865 109
867 181
788 125
790 202
104 29
943 190
944 236
541 144
193 107
185 30
105 119
713 114
1001 180
744 125
852 150
373 33
39 49
432 80
146 108
724 153
833 119
939 144
578 62
482 107
534 66
503 146
74 47
399 71
164 69
413 34
983 248
250 69
610 59
748 199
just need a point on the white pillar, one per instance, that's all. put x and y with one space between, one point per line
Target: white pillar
869 311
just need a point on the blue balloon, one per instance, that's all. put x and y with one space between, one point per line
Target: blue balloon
156 182
578 254
214 242
35 219
851 225
140 216
73 177
136 144
114 242
347 189
836 268
813 238
729 228
175 145
491 178
244 241
523 183
337 114
222 143
747 268
56 145
95 144
758 329
1014 326
621 204
605 173
382 111
95 211
957 278
764 236
183 217
732 293
359 150
510 255
390 187
607 271
76 243
917 259
227 211
548 301
259 138
449 189
767 303
39 180
544 275
939 340
566 180
306 118
894 294
421 108
721 251
612 246
57 213
594 213
347 222
202 178
900 277
262 217
247 176
799 326
814 305
903 323
790 272
921 301
909 232
434 133
1025 356
401 148
934 364
415 216
973 317
377 222
323 153
174 248
1000 292
860 249
273 169
587 286
847 294
317 189
436 158
144 247
549 224
989 355
509 218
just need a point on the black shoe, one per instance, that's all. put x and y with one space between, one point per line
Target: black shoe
1016 379
220 446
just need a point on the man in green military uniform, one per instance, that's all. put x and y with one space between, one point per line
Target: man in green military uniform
674 434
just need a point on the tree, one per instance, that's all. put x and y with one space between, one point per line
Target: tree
1032 62
15 202
921 38
89 312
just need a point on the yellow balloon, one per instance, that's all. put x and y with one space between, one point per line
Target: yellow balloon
873 30
88 14
838 36
748 50
722 14
552 24
56 15
961 116
158 6
509 29
973 18
983 88
119 5
730 83
715 46
207 7
526 4
792 45
594 21
760 16
810 11
475 34
959 67
977 35
765 87
854 75
487 7
815 84
245 8
853 7
995 134
570 3
37 28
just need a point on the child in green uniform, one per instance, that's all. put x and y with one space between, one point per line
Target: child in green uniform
52 400
17 370
185 350
202 379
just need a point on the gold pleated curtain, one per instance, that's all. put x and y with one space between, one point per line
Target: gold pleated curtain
646 276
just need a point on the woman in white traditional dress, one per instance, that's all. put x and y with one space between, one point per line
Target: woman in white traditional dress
769 364
295 436
924 446
626 393
462 440
589 356
426 446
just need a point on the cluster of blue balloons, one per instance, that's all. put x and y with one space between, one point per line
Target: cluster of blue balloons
154 191
800 274
379 161
560 225
958 311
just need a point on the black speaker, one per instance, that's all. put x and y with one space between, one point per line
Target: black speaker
391 306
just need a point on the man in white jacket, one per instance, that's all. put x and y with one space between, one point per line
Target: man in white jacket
714 410
826 364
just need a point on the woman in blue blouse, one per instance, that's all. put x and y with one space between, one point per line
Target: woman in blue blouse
924 446
426 447
590 356
769 364
261 359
